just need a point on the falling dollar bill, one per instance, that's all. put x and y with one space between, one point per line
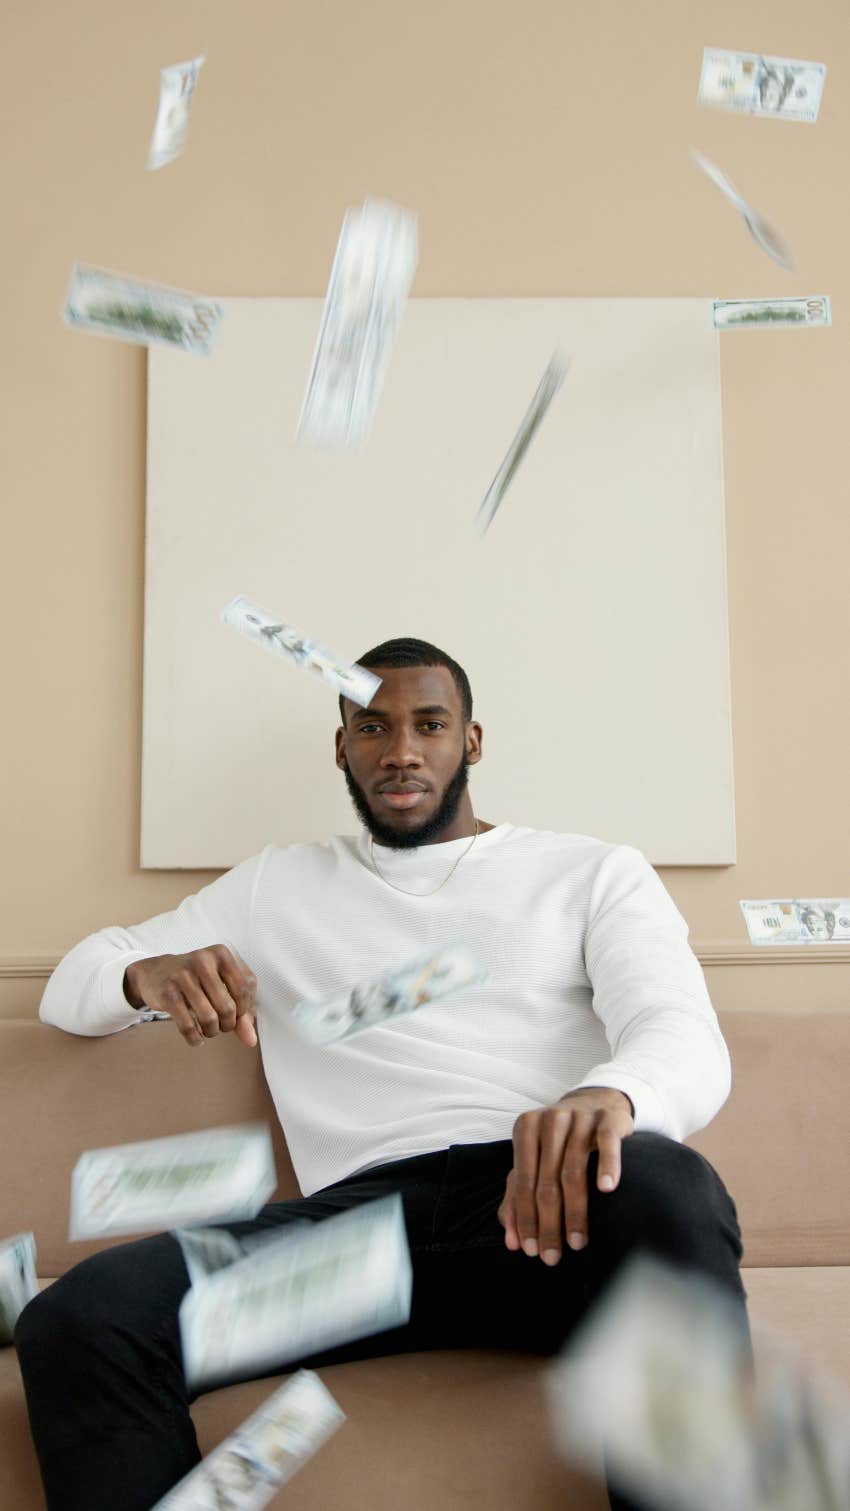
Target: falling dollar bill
373 269
549 384
112 305
798 920
763 234
176 87
662 1363
756 85
316 1287
243 1472
355 682
18 1282
219 1174
398 991
729 314
206 1250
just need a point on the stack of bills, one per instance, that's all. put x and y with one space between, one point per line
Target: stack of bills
112 305
547 388
398 991
243 1472
764 235
661 1363
354 681
319 1286
375 261
176 87
756 85
798 920
218 1175
18 1283
731 314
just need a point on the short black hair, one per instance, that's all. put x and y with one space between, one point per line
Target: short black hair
406 651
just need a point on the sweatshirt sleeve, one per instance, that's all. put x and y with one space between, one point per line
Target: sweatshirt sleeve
667 1051
85 994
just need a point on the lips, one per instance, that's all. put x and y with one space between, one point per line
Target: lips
399 795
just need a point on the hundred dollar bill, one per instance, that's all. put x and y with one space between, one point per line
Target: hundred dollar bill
206 1250
373 269
355 682
176 87
763 234
112 305
549 384
18 1282
662 1363
798 920
728 314
325 1284
217 1175
243 1472
401 990
757 85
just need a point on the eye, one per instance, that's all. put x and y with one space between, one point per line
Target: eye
433 724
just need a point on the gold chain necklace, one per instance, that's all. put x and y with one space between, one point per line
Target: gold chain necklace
405 890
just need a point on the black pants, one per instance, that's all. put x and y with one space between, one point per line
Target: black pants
100 1350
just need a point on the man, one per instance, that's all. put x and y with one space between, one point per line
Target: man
533 1124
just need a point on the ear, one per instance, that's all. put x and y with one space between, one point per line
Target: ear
339 740
474 742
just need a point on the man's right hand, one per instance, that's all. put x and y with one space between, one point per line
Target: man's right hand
206 992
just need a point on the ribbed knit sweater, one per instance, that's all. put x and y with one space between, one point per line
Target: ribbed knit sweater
591 982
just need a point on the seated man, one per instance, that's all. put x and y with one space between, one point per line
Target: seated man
535 1117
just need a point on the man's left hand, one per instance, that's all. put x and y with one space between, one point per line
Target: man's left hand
546 1192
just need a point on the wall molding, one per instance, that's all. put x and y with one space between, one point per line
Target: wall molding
709 953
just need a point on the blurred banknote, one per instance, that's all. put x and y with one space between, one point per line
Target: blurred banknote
798 920
398 991
763 234
243 1472
318 1286
661 1363
370 280
354 681
18 1283
728 314
176 87
549 384
206 1250
217 1175
757 85
112 305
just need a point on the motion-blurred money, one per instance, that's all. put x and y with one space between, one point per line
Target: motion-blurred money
342 1278
244 1471
755 85
373 269
176 87
798 920
354 681
112 305
217 1175
687 1425
763 234
729 314
549 384
18 1283
398 991
206 1250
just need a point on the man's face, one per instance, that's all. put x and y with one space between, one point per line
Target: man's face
405 758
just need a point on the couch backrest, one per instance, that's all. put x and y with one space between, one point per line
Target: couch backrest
781 1143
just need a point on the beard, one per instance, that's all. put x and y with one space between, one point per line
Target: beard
445 814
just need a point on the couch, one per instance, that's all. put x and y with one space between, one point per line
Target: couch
468 1429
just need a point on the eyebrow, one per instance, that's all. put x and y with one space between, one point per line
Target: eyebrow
380 713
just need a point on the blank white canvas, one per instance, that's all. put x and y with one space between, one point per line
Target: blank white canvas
591 618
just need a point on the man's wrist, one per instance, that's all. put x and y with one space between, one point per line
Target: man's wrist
625 1094
131 991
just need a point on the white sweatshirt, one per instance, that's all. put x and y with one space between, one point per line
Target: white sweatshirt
591 982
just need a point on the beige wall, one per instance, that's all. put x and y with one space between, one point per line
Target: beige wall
545 147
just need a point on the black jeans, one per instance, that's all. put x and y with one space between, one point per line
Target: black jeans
100 1349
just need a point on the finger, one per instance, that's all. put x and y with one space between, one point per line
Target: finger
507 1216
217 993
609 1145
554 1131
574 1179
245 1031
526 1137
239 980
198 1003
169 1000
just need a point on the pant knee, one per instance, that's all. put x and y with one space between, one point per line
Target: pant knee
673 1197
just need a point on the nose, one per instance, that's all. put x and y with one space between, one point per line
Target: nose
401 750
